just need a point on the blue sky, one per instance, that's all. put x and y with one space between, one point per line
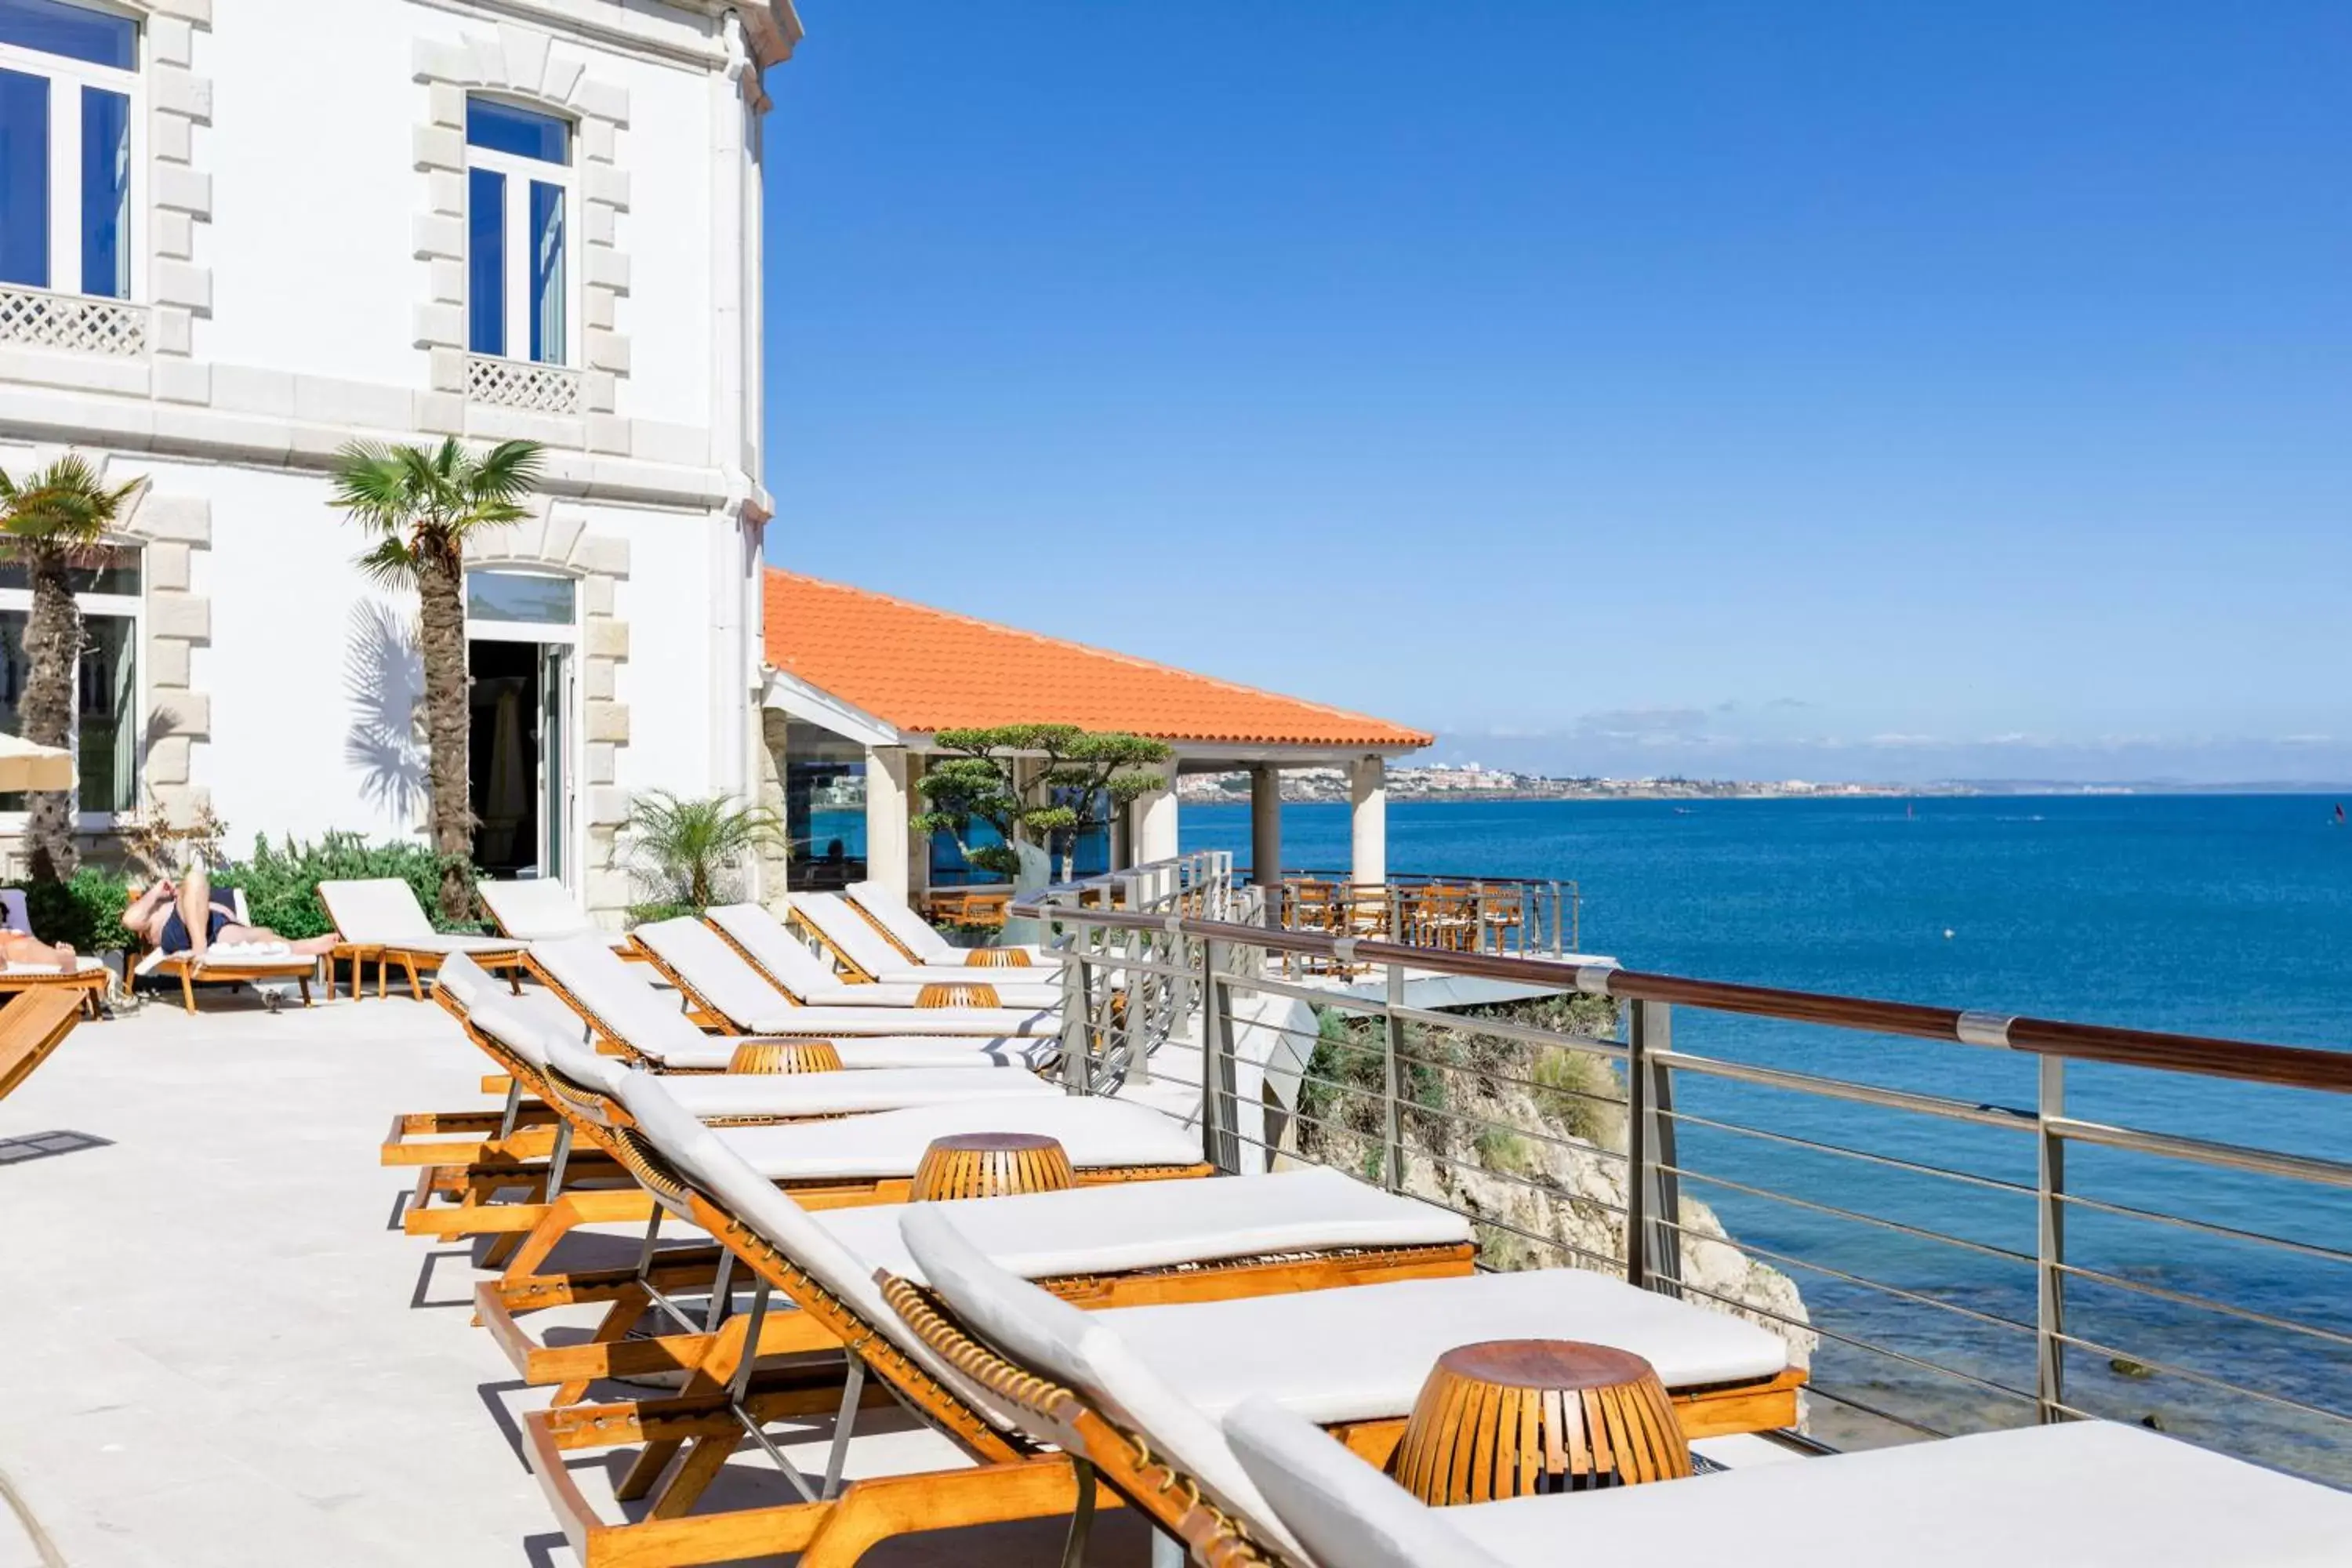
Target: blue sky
1829 390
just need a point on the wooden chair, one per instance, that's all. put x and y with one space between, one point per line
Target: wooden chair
33 1024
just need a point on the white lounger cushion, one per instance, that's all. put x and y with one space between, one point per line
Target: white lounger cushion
1071 1347
812 981
81 966
533 1026
1361 1354
1347 1513
2086 1494
721 976
452 941
1099 1135
781 1095
539 909
983 1022
918 936
1163 1225
622 996
868 949
705 1158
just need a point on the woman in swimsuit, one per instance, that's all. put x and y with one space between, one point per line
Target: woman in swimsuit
187 918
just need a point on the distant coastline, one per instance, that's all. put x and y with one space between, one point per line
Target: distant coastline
1473 785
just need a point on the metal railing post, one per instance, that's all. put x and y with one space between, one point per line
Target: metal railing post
2050 1249
1220 1140
1078 1024
1654 1250
1393 1080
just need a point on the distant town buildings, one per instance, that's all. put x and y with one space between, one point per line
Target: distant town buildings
1443 780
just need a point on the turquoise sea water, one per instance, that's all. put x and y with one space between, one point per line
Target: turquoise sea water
2218 915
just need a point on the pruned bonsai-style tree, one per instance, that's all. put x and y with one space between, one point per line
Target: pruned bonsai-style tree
420 507
53 521
1047 785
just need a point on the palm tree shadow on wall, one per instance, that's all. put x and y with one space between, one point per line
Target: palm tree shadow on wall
383 689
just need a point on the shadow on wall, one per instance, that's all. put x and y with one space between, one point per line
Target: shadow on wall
384 689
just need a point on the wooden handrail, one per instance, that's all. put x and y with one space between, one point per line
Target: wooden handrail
2298 1067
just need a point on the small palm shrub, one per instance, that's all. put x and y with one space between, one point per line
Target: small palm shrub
688 852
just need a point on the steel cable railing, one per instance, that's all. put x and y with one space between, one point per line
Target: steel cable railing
1869 1244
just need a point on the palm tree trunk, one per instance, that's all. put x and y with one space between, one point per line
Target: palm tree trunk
52 649
441 637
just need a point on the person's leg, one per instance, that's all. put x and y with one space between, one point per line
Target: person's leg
309 946
197 908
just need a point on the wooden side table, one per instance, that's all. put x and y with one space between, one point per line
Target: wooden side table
957 994
785 1056
1514 1417
997 958
991 1165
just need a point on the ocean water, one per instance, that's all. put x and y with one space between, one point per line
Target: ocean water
2229 915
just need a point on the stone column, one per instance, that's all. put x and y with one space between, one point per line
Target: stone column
1266 825
1153 817
885 817
1367 792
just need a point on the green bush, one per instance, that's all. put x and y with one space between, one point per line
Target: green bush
661 910
280 882
86 912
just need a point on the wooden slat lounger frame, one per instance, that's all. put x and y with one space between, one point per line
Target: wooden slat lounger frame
852 972
1011 1477
33 1024
1012 958
86 987
770 976
1124 1461
531 1228
415 961
611 1352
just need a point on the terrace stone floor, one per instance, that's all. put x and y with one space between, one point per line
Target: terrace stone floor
221 1350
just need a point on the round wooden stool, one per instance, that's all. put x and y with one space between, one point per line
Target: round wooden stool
957 994
992 1165
785 1056
1512 1417
997 958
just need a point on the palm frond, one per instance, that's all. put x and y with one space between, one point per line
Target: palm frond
391 565
64 504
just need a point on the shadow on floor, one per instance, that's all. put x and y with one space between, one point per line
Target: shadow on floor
44 1145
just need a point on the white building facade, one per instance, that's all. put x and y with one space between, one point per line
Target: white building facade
236 235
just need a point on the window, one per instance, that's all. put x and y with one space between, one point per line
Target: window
517 202
106 739
66 76
824 807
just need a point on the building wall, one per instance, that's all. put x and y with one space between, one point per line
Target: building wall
303 286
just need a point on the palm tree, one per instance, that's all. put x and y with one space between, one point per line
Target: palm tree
422 506
687 847
55 520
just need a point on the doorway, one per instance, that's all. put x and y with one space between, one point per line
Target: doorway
517 756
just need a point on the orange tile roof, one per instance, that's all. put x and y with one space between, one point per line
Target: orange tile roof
924 670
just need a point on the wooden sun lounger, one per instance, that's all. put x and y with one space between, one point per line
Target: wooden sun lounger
379 918
86 983
33 1024
1009 1477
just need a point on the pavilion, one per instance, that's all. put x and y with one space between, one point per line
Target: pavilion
858 686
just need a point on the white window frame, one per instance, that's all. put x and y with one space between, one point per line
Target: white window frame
65 152
131 607
566 635
519 173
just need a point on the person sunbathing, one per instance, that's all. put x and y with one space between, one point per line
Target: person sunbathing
22 951
187 917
